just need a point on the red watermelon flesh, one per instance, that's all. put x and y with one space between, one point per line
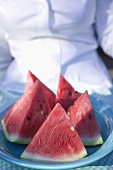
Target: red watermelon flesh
26 116
66 94
31 78
56 139
84 120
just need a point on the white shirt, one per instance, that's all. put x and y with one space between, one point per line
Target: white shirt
5 57
53 36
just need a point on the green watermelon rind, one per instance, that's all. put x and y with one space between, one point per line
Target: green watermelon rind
14 138
96 140
35 157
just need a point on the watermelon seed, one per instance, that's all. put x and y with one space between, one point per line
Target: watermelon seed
42 112
68 113
72 128
41 106
28 118
26 123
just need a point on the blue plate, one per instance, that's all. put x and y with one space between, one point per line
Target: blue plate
11 152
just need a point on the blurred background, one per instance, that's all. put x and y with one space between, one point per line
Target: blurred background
107 60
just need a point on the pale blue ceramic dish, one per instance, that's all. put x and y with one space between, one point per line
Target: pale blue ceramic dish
11 152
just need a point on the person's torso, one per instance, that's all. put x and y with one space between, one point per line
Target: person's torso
29 19
52 32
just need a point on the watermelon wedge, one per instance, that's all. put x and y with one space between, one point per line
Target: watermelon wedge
25 117
66 94
83 119
56 139
31 78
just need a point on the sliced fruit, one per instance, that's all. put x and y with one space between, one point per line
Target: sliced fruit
56 139
31 78
82 116
25 117
66 94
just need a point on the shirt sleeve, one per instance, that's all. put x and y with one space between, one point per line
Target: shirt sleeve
104 25
5 57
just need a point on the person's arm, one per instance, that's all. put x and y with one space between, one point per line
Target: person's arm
5 57
104 25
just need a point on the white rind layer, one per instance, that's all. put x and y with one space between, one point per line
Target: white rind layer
14 137
93 141
61 158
